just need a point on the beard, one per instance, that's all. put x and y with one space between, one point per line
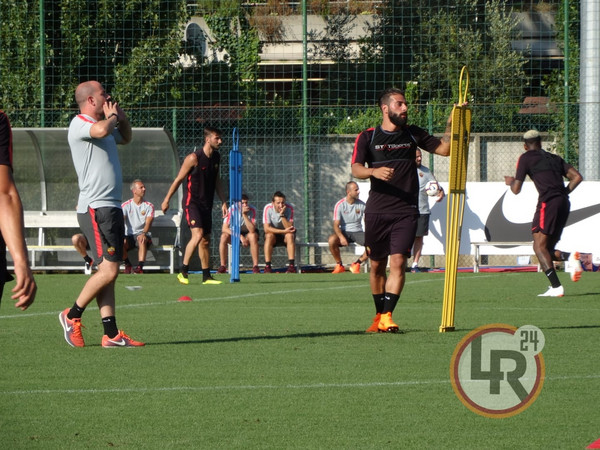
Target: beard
398 120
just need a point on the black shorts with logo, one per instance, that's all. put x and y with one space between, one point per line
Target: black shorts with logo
104 229
389 234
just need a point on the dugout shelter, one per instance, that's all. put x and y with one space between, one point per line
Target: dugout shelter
47 183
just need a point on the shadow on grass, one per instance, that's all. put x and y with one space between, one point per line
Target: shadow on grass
259 338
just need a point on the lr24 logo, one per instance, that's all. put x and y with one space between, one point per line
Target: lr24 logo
498 370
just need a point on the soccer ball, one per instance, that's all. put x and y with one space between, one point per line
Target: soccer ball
432 188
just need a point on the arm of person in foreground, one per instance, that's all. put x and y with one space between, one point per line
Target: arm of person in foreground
11 225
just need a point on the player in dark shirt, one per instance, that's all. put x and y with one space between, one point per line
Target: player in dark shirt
548 171
201 172
386 155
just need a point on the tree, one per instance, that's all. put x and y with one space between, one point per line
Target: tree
130 46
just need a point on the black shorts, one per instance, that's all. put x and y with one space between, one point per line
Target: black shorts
132 241
104 229
551 217
423 225
355 236
389 234
280 240
198 217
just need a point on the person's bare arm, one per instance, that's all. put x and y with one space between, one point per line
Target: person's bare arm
11 226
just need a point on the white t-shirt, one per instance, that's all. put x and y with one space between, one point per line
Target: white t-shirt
136 215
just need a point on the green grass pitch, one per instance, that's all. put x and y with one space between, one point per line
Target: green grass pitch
281 361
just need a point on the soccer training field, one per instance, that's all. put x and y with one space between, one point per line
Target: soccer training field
281 361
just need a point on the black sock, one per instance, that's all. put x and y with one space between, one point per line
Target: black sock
564 256
553 278
358 261
390 302
110 326
205 274
379 302
75 312
291 262
268 263
141 264
127 262
185 269
87 259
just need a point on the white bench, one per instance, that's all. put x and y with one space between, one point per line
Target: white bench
47 220
477 250
358 250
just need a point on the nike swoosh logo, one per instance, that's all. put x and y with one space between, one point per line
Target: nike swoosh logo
68 329
120 342
499 229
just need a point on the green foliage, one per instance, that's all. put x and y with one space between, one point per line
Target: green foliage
495 70
567 118
19 61
130 46
234 35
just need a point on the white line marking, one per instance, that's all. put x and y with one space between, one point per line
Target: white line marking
263 387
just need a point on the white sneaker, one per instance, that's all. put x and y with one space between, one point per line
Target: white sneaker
575 266
87 269
553 292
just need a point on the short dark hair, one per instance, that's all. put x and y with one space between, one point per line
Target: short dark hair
211 130
245 197
278 194
384 97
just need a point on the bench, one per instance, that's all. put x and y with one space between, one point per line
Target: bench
48 220
358 250
477 250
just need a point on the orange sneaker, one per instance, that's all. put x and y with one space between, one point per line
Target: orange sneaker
355 267
72 329
120 340
575 265
339 269
374 326
386 324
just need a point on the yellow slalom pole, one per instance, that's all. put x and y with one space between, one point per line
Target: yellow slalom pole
459 151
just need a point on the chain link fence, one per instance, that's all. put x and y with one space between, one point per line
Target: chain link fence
299 80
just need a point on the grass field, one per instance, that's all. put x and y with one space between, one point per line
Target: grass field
281 361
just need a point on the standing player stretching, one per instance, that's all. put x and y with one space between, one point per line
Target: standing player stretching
93 138
547 171
386 155
201 172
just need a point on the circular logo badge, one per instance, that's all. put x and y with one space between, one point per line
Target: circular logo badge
498 370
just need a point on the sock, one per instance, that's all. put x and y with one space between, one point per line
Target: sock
141 264
291 262
205 274
75 312
127 262
379 302
110 326
563 256
268 263
184 269
358 261
390 301
414 264
553 278
339 263
87 259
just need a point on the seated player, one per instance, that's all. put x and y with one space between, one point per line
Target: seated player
248 235
278 225
138 215
348 214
